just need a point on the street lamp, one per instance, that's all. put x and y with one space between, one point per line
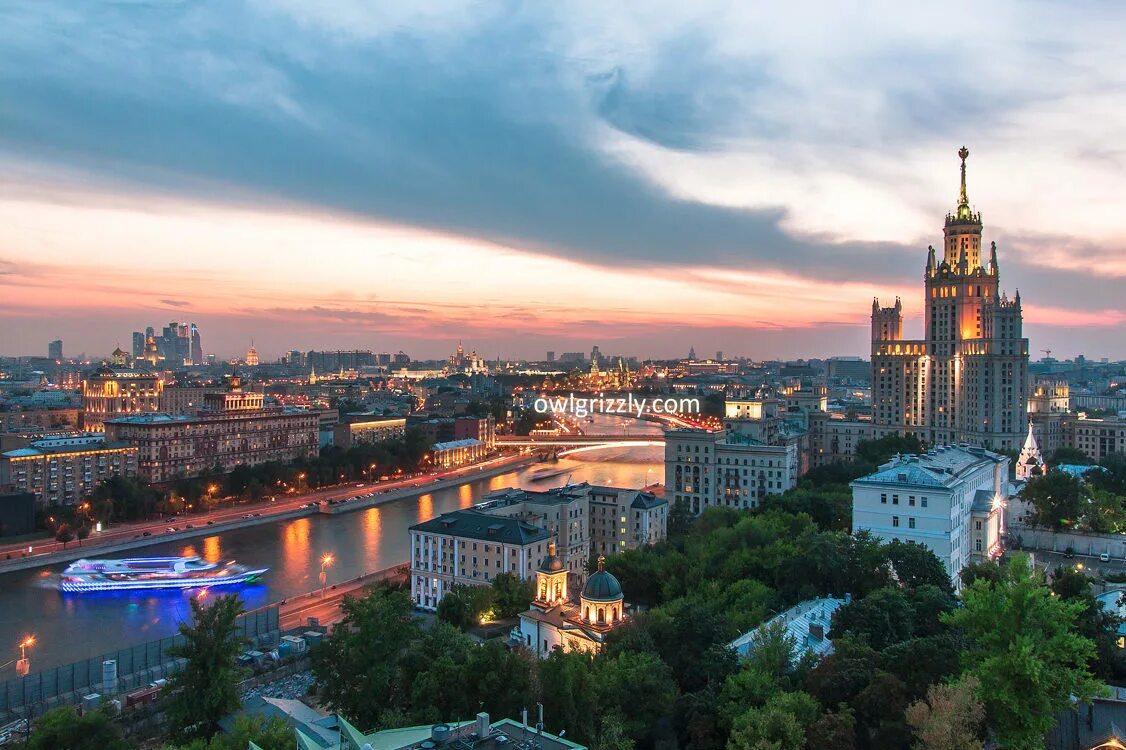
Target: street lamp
23 666
326 563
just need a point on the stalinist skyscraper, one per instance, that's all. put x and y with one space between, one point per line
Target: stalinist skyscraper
967 380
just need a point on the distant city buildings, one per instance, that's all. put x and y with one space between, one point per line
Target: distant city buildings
178 344
949 499
967 380
60 470
55 350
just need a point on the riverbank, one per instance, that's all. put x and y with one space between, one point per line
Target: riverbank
92 547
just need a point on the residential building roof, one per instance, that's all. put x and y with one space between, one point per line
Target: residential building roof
473 524
807 623
939 467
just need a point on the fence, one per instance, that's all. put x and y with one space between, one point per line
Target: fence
1090 545
137 666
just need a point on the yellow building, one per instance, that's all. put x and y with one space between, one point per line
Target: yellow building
112 392
967 379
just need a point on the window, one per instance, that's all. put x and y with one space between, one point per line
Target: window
910 523
911 500
895 499
884 498
923 502
895 521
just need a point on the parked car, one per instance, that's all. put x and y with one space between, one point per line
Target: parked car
1104 557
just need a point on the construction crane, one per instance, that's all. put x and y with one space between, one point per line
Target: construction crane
1047 353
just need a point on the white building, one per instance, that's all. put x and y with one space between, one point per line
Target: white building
468 547
949 499
729 469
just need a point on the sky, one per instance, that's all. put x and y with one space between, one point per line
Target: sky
647 177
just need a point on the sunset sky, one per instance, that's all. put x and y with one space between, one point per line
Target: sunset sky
533 176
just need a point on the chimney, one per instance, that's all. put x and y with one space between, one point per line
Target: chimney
483 728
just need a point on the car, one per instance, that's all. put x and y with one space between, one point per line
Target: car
246 515
147 533
257 514
1069 553
210 523
1104 557
190 526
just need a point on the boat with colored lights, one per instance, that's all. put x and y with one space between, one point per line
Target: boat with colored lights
153 573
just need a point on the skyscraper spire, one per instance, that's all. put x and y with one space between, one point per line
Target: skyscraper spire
963 200
993 269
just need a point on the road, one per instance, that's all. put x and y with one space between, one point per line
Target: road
216 519
296 611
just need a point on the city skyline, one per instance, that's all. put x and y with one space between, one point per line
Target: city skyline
346 177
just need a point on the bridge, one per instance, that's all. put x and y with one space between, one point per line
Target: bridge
564 445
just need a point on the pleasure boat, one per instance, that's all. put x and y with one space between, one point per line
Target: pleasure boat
153 573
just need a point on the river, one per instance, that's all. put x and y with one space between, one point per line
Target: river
69 627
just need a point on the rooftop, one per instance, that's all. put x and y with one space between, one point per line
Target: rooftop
473 524
807 623
453 444
943 466
66 444
465 735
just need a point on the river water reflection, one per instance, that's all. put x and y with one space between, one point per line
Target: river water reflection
72 627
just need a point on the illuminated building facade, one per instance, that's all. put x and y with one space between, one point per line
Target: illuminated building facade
234 428
967 380
468 547
552 621
60 470
112 392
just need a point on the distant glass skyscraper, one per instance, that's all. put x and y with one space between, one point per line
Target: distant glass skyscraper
967 380
55 349
138 345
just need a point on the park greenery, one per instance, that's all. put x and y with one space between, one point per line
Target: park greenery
1095 502
465 606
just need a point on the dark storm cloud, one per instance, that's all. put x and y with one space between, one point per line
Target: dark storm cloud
485 134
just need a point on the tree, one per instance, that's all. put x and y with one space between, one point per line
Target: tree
267 734
835 729
989 570
680 519
63 728
206 689
1024 651
915 565
1096 622
638 687
950 718
880 619
780 724
772 650
1057 499
1066 455
511 595
463 606
566 683
357 667
64 535
82 533
879 451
